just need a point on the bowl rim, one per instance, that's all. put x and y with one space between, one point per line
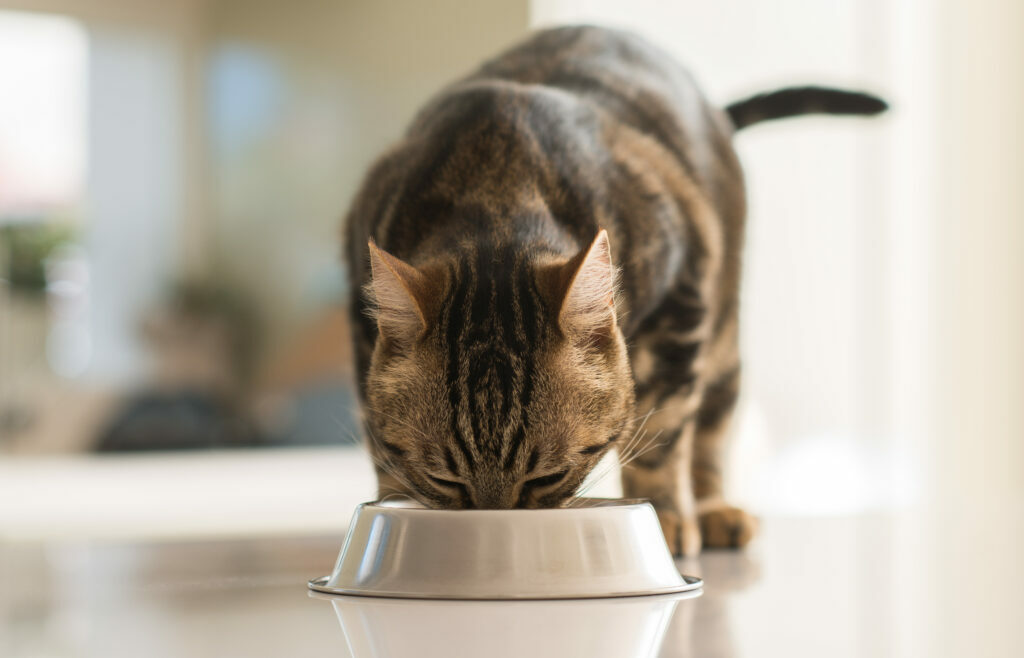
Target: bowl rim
361 599
689 584
593 504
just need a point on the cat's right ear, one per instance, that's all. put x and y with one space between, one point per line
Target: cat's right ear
586 286
400 295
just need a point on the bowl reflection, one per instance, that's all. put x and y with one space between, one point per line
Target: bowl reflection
393 628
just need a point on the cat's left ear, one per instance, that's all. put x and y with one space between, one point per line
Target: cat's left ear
588 285
401 294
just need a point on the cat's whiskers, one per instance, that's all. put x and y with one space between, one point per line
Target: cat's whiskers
393 496
635 448
624 452
381 462
651 445
401 422
570 502
637 435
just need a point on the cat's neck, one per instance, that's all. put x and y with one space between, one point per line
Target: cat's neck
500 232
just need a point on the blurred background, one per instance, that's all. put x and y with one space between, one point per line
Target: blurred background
174 357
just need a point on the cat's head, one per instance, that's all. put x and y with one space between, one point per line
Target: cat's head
498 379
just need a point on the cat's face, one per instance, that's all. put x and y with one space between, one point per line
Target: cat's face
495 385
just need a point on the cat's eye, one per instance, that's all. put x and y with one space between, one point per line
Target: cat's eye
542 482
451 484
545 480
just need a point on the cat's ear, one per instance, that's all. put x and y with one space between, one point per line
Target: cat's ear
400 294
588 282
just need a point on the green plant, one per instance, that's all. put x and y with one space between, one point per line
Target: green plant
24 248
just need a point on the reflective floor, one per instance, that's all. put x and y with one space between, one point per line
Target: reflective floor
808 587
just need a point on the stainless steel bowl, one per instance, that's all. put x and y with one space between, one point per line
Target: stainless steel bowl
599 548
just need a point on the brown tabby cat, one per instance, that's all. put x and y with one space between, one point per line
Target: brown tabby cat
550 254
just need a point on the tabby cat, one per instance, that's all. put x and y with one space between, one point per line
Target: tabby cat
548 259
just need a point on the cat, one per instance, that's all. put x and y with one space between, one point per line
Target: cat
547 265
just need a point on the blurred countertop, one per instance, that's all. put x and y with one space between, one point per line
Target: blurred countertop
182 495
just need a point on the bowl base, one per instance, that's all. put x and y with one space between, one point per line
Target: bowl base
690 583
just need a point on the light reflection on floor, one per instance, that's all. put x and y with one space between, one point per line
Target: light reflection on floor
807 587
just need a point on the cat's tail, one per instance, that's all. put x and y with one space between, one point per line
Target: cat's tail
796 101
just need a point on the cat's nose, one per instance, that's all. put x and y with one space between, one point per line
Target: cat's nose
493 497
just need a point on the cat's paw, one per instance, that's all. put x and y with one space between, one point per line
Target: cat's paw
725 526
681 534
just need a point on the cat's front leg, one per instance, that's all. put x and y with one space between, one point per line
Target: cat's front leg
722 525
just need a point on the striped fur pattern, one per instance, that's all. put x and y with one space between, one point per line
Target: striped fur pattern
551 253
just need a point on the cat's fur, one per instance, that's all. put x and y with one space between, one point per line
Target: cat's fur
551 253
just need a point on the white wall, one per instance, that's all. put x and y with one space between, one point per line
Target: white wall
962 353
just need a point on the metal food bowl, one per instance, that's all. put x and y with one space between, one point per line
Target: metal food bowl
595 549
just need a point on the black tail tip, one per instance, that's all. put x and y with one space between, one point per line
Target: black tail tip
868 104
